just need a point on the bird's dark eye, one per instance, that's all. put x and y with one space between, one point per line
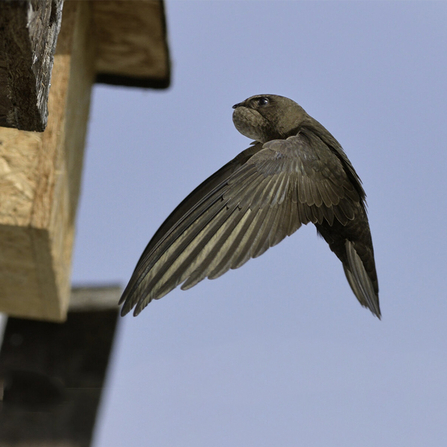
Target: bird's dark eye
263 101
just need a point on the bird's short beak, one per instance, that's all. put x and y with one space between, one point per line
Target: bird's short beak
237 105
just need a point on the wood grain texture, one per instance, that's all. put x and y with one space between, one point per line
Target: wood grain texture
131 50
39 183
28 35
40 173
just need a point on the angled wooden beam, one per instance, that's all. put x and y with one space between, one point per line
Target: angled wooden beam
116 42
40 179
28 34
131 50
52 376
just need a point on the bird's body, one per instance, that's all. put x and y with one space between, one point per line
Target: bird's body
295 172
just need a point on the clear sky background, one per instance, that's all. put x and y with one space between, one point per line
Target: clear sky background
279 352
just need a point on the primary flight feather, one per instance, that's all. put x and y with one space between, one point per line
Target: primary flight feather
295 172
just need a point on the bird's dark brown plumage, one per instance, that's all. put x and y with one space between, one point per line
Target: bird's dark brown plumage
295 172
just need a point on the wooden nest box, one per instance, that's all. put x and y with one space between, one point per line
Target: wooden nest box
51 53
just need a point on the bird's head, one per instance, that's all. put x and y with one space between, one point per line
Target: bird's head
268 117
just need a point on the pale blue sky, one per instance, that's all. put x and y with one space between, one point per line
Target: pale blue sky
279 352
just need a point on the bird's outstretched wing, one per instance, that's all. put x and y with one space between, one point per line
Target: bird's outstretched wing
265 194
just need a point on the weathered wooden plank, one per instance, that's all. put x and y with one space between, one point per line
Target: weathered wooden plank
132 45
40 173
28 34
51 379
131 42
40 179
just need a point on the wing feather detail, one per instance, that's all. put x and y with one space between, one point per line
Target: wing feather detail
248 206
